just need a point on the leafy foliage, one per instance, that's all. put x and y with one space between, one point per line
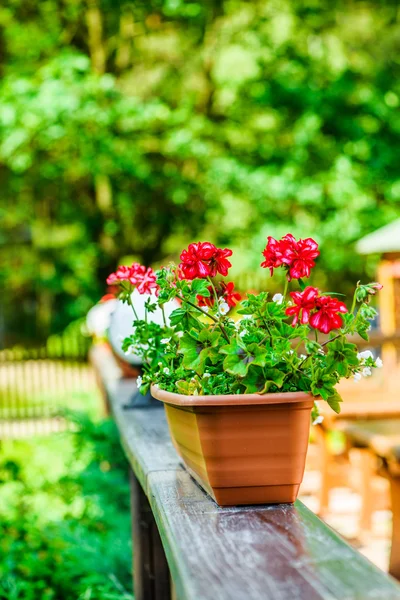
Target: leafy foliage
148 122
65 525
204 351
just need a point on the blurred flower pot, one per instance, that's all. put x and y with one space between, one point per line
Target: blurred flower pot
243 448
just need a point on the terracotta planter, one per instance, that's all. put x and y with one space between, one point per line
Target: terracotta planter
242 449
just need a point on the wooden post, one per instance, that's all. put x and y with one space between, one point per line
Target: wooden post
394 564
367 465
151 579
324 455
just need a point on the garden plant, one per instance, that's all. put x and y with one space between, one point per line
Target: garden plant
294 341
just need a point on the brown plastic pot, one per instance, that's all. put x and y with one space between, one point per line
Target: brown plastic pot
242 448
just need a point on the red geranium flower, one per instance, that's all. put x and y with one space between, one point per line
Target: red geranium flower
327 316
219 262
204 260
228 293
224 290
137 273
121 274
297 256
206 300
273 255
304 252
195 260
147 282
304 303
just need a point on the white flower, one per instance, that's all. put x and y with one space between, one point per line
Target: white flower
165 340
160 364
179 333
362 356
224 308
303 356
166 370
320 351
318 420
278 298
206 375
379 362
238 324
243 333
139 381
366 372
357 376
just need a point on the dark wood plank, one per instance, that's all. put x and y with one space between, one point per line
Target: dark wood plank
278 552
268 552
151 579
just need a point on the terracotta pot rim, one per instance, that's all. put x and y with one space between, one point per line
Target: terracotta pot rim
176 399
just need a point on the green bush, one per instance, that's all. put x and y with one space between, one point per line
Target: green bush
64 516
128 127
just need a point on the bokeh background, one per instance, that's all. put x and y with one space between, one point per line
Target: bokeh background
133 128
127 130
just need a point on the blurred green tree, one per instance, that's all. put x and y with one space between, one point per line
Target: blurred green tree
132 127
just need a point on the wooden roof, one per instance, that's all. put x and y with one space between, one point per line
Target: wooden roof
383 240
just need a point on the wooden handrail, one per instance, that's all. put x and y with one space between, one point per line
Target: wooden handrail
275 552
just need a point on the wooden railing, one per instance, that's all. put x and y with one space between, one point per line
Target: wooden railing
276 552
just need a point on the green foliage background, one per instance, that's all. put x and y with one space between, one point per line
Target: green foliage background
64 516
132 128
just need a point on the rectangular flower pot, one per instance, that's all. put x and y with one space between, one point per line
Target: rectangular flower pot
243 448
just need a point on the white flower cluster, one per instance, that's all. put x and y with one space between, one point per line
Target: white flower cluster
139 382
224 308
278 298
363 357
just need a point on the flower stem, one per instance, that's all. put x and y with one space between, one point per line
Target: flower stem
133 308
207 315
285 289
332 339
163 314
214 290
353 306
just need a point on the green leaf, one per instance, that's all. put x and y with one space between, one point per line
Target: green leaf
200 287
334 401
197 349
260 380
177 316
239 357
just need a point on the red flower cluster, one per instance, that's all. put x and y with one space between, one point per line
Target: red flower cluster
225 291
322 312
296 255
137 275
203 259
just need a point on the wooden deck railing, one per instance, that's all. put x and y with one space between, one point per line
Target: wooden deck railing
276 552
